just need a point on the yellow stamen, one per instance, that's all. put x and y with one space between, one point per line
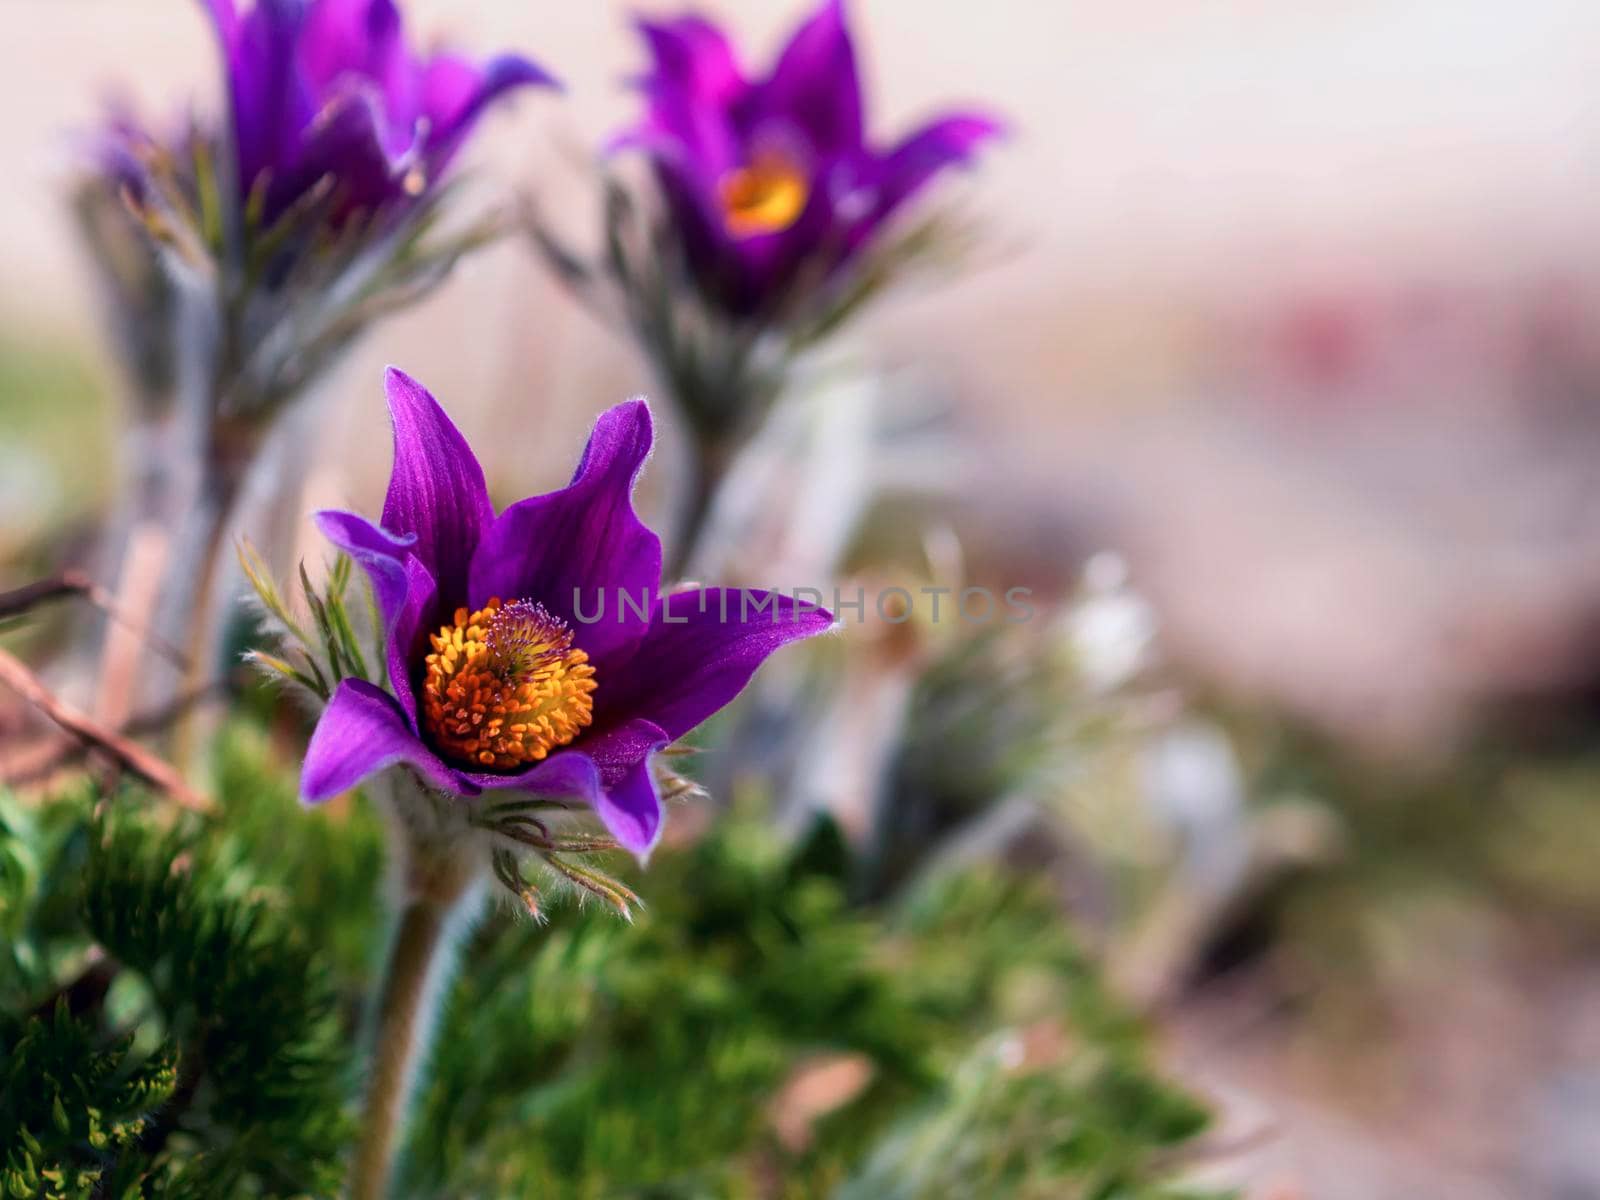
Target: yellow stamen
767 196
504 686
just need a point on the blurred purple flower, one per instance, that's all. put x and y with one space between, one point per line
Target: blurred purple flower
329 89
118 152
565 689
770 179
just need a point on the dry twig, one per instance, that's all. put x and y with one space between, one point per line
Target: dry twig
73 582
39 761
127 754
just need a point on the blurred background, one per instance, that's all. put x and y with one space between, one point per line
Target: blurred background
1276 375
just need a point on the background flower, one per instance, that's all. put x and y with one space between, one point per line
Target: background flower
243 257
772 180
327 94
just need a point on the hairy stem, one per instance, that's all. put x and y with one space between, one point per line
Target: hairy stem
195 572
441 898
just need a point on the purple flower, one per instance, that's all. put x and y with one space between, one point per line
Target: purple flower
770 179
533 650
328 89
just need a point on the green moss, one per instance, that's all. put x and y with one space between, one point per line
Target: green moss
581 1058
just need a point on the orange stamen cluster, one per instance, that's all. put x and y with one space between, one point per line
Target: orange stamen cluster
504 685
767 196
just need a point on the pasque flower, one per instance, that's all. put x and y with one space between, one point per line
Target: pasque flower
278 233
773 178
532 650
327 94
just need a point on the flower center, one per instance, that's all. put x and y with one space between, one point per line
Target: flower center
504 685
765 197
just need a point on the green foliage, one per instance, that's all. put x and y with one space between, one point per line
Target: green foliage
315 655
996 712
1042 1135
1063 1102
197 1046
42 851
581 1058
636 1053
72 1108
238 988
320 867
592 1058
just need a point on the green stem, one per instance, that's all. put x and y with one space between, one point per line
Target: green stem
440 903
709 465
196 570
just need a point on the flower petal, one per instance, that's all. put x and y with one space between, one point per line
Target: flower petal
362 732
362 38
609 772
409 637
404 590
381 554
455 93
701 649
272 104
693 82
226 19
631 811
815 85
692 55
436 490
941 143
348 143
568 775
581 547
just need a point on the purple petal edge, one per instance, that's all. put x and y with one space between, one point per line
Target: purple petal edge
436 490
701 650
362 732
609 772
946 141
456 94
579 547
815 83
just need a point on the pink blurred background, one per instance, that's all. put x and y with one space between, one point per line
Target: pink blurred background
1289 302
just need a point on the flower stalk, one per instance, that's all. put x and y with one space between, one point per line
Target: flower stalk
441 895
710 460
415 962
